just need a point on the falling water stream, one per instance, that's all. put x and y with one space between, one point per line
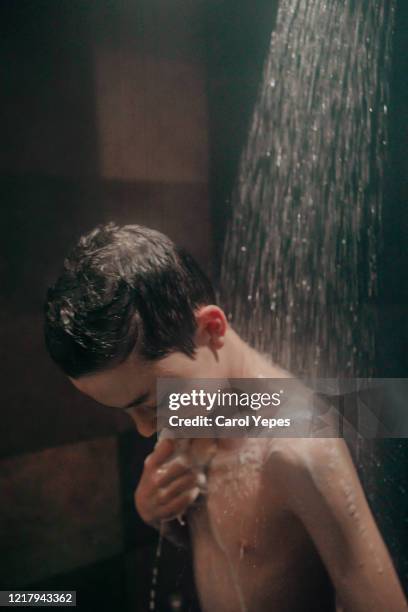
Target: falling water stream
299 273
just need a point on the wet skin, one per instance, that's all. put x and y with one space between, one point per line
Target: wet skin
283 524
250 551
288 524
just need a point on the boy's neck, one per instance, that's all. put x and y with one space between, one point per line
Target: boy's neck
239 360
242 361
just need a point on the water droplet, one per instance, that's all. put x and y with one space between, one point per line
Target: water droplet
243 249
385 109
249 298
272 83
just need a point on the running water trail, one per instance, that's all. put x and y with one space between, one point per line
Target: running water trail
299 273
155 571
232 571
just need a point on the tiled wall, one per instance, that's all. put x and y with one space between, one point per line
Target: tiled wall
104 117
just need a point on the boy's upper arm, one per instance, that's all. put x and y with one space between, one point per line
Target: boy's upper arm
324 492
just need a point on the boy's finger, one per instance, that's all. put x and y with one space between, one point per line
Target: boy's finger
167 473
162 451
182 485
179 504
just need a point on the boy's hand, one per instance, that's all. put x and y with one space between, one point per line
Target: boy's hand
165 489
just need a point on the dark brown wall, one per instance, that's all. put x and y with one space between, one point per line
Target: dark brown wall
103 117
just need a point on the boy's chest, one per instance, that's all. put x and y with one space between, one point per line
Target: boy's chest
246 543
239 512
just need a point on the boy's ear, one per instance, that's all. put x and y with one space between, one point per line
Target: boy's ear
211 326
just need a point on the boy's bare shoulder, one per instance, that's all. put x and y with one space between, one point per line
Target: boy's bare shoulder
304 451
297 464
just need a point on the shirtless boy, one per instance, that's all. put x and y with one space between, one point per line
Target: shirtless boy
288 528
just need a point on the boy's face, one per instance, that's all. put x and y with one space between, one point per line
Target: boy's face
131 385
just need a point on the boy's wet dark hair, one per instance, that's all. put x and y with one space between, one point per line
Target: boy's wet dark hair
121 288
